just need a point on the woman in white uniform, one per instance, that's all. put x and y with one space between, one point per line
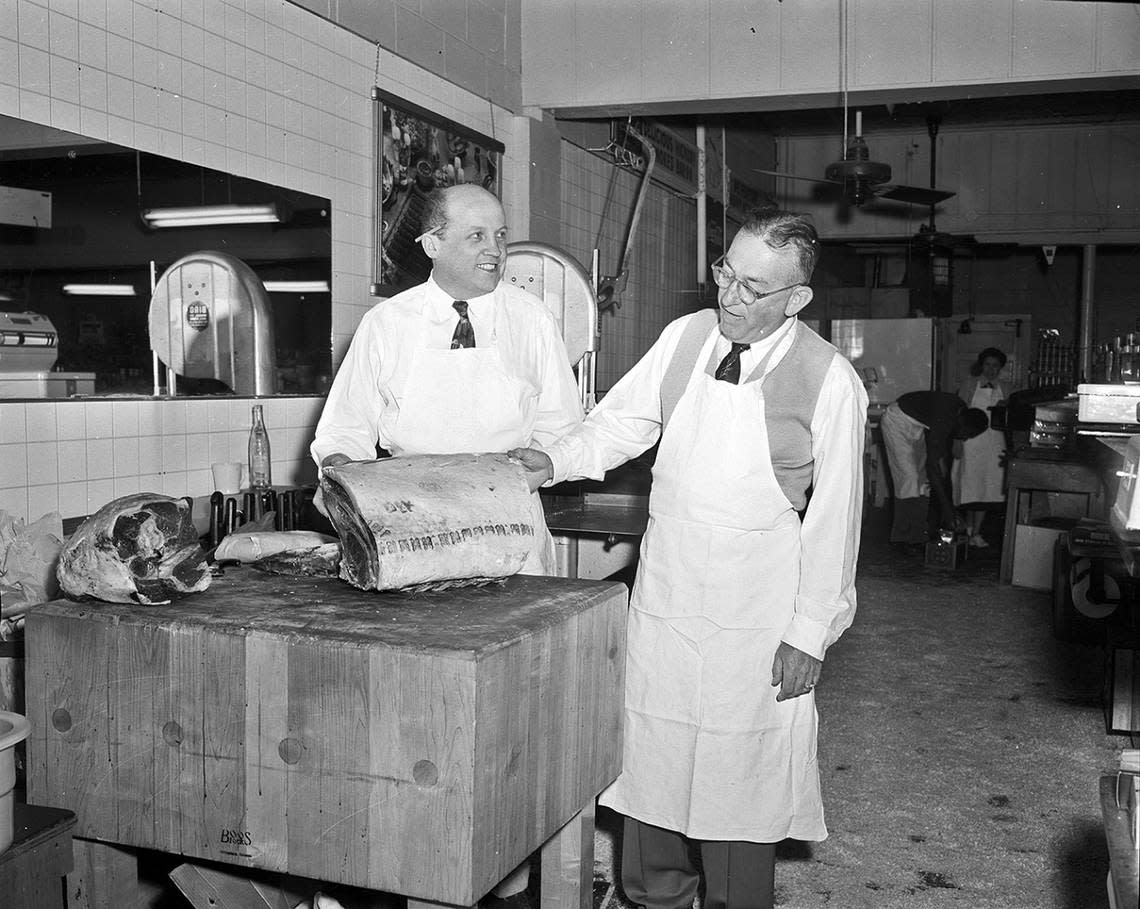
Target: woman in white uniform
978 474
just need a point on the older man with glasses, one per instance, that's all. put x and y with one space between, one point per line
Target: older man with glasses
742 584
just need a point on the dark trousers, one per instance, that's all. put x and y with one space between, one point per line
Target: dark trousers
658 870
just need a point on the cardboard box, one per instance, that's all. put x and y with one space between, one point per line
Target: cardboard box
1033 556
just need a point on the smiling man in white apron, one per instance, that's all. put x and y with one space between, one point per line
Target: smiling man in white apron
460 363
736 598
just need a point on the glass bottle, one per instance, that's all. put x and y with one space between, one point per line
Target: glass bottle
260 462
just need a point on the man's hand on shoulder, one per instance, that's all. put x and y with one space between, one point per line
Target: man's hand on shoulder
794 672
537 464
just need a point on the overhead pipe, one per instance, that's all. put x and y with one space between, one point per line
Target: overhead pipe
1085 341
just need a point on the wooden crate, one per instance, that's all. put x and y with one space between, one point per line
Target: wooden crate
420 745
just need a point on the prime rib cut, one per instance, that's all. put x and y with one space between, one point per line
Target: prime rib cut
429 521
141 548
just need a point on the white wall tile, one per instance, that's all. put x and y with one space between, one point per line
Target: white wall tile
150 454
125 486
42 462
63 36
42 500
71 420
197 451
40 421
100 458
99 423
93 12
13 464
98 494
173 454
125 456
13 423
32 22
73 461
174 418
73 499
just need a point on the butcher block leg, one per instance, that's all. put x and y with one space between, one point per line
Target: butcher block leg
104 877
568 864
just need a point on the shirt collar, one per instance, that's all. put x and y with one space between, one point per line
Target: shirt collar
759 348
437 303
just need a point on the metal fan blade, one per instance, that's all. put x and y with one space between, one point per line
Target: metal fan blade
776 173
915 195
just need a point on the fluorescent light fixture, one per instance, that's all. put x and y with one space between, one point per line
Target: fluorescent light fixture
99 290
297 287
205 215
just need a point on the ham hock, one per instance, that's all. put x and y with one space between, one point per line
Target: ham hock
141 548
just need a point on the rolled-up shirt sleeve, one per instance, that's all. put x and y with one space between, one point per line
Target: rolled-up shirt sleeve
829 536
626 423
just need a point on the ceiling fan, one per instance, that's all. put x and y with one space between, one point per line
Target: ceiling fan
860 179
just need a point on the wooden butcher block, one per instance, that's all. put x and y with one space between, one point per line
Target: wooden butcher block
421 745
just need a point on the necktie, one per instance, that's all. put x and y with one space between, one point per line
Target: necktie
729 369
464 335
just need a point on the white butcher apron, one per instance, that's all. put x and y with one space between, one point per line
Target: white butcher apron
465 401
708 750
977 475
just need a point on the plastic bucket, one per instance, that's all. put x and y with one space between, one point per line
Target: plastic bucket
14 729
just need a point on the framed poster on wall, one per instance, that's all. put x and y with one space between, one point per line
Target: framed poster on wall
416 151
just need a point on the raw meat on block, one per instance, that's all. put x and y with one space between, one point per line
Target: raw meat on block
429 521
141 548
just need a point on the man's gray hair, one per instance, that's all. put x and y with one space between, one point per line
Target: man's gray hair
783 229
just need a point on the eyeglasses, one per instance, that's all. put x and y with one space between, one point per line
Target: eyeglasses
748 294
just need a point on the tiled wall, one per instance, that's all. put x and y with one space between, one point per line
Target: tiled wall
473 43
260 88
73 456
597 200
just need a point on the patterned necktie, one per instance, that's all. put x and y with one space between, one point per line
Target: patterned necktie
729 369
464 335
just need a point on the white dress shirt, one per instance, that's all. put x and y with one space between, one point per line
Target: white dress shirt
364 401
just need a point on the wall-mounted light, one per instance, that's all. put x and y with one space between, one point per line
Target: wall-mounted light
210 215
99 290
297 287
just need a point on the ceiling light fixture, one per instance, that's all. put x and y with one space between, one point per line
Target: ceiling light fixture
209 215
99 290
297 287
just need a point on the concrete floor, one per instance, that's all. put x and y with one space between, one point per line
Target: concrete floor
960 749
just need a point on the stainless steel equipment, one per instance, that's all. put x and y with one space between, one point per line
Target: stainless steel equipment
210 318
566 289
29 346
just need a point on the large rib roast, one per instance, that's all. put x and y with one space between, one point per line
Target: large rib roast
141 548
429 521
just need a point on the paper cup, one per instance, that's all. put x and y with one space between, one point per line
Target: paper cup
227 477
